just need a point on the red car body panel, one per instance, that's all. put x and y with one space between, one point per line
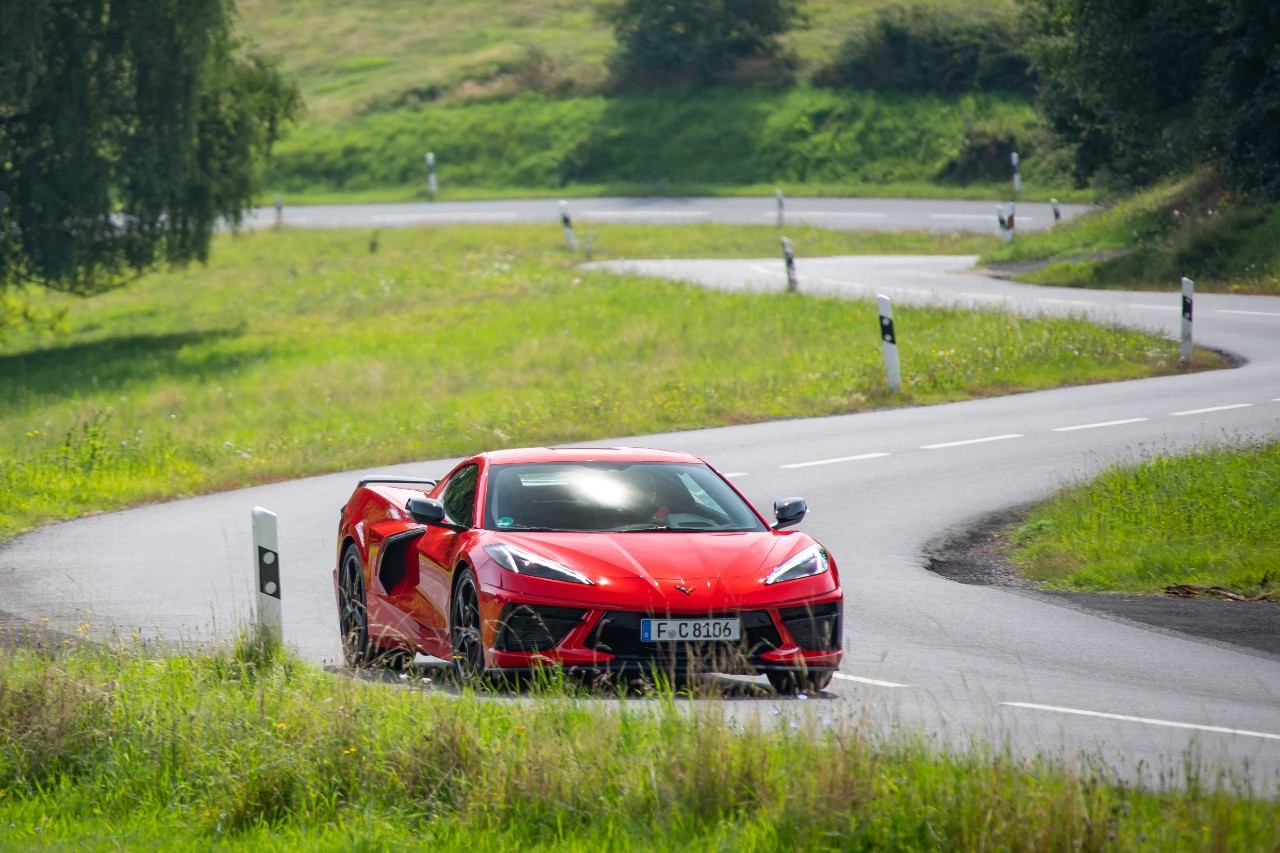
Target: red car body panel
409 571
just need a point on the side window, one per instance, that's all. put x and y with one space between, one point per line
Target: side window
459 496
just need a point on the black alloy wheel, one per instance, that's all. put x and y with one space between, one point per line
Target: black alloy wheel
353 620
353 614
464 630
789 683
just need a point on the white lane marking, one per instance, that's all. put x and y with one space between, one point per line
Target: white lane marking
1250 313
1210 409
834 461
642 214
871 681
1145 720
460 217
1157 307
1103 424
1067 301
915 291
852 214
965 217
969 441
989 297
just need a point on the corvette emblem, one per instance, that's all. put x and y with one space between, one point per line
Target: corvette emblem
687 590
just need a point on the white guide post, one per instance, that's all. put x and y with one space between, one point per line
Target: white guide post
266 551
1188 294
781 204
789 257
568 227
431 174
889 343
279 211
1017 174
1057 214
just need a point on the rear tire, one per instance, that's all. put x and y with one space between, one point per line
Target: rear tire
465 634
790 683
353 620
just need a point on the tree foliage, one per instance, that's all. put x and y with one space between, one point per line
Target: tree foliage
128 130
1146 87
671 42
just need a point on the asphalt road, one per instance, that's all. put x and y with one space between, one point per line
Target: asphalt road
959 662
881 214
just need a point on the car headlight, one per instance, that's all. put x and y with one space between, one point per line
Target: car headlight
809 562
523 563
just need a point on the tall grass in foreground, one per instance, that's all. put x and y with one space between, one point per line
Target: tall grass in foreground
1207 519
104 749
298 353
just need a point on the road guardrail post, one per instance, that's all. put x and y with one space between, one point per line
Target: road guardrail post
1188 294
889 343
789 258
266 550
568 227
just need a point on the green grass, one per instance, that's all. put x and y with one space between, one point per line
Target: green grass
1208 519
347 57
723 140
1152 239
296 353
107 749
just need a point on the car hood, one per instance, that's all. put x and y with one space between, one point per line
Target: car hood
693 558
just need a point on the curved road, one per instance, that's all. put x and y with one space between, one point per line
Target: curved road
923 652
860 213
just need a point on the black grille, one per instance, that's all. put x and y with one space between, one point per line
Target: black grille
815 627
530 628
618 633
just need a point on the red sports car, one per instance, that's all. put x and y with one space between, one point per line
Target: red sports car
593 559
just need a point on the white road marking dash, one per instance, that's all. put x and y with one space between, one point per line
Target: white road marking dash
1145 720
969 441
1210 409
834 460
1157 307
1249 313
1097 425
872 681
1066 301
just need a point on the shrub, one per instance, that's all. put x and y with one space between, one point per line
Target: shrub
923 49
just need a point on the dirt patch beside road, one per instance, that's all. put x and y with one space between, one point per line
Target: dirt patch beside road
976 555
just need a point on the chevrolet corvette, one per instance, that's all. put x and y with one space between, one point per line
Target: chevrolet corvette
597 560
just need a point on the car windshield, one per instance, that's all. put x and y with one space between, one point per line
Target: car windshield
613 497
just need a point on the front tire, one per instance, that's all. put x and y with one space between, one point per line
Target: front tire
464 630
790 683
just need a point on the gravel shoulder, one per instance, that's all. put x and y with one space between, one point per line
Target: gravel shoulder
976 555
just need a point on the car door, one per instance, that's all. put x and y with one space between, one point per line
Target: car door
438 551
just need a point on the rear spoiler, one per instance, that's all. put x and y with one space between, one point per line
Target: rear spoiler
386 478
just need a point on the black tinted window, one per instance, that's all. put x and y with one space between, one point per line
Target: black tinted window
460 496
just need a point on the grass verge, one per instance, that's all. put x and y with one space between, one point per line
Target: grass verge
117 748
1206 520
1190 228
296 353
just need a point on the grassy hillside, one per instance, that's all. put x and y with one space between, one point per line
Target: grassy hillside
349 57
296 353
509 94
806 140
1191 227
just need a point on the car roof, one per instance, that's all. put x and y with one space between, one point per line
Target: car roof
526 455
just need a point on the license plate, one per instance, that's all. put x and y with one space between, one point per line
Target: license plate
689 630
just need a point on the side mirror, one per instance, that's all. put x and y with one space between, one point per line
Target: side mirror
789 511
427 511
